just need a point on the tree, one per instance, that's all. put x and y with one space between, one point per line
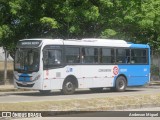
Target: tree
136 21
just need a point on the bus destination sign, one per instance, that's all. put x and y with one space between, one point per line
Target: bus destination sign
29 43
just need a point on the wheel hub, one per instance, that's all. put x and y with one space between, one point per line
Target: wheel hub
121 84
69 86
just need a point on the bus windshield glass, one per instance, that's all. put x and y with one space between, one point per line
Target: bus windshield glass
27 60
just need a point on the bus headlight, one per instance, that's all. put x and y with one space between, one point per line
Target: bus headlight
15 77
36 78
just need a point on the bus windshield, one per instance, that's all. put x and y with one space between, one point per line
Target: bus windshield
27 60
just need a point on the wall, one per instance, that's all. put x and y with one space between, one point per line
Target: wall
9 72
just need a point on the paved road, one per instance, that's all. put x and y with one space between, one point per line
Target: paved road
27 96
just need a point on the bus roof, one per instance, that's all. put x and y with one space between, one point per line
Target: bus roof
90 42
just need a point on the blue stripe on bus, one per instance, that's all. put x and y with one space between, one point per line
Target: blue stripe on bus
24 77
139 46
137 75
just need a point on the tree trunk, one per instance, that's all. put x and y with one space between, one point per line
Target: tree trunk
158 66
5 67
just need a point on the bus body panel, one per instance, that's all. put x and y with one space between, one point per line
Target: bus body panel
88 75
33 80
97 75
137 75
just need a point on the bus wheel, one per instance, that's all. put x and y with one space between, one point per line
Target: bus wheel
45 92
96 89
68 87
120 85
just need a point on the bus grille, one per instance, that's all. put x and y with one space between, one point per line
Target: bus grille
27 85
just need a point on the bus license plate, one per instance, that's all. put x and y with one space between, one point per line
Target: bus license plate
24 83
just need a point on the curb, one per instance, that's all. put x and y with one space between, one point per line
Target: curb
154 83
75 113
10 88
7 88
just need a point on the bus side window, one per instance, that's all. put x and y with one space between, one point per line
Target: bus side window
123 56
107 55
72 55
127 56
52 58
45 57
89 55
132 61
120 56
139 56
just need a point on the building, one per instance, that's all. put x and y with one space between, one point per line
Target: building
2 56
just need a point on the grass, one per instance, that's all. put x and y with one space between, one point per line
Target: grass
92 104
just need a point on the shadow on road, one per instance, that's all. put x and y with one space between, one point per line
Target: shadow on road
78 92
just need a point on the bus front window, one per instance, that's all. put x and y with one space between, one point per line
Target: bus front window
27 60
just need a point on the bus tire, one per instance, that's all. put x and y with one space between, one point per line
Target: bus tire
96 89
68 87
45 92
120 84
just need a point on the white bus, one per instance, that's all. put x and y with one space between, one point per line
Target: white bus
49 64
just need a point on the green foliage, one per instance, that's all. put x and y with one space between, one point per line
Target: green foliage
74 29
92 13
51 22
155 70
15 6
108 33
5 33
135 21
145 24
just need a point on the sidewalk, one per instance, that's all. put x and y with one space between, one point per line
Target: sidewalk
155 83
7 88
